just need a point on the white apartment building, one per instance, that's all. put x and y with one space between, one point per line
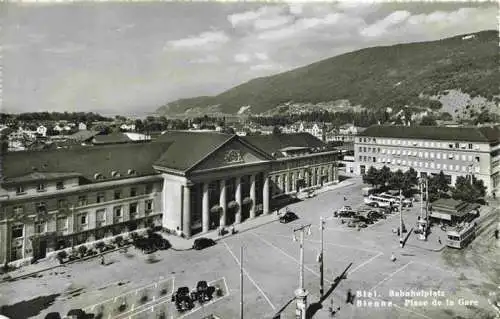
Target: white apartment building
457 151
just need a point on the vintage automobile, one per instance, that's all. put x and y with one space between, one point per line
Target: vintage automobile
202 292
288 217
203 242
183 301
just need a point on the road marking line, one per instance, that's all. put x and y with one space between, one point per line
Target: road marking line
250 278
317 241
392 274
365 263
291 257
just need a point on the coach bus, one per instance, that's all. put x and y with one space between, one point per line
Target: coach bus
378 201
460 236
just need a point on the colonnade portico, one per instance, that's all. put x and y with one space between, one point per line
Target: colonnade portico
243 199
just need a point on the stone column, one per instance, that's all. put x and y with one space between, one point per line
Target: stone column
237 197
186 212
265 195
205 218
287 183
222 202
252 196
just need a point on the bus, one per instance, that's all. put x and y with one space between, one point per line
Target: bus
460 236
406 202
378 201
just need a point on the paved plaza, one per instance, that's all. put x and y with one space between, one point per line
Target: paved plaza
271 269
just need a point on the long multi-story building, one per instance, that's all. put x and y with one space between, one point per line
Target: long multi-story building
457 151
190 181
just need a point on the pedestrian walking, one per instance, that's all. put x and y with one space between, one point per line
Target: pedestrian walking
349 296
494 195
345 198
393 258
102 260
439 240
496 233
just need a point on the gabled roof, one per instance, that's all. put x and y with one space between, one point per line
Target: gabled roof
272 144
471 134
86 161
113 138
83 135
189 148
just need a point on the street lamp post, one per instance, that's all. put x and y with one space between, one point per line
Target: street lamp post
301 293
401 240
321 257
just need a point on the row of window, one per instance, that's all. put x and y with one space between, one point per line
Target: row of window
450 156
455 145
17 231
41 207
433 165
42 187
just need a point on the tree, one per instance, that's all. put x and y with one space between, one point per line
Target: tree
396 180
370 177
384 176
410 180
467 191
276 130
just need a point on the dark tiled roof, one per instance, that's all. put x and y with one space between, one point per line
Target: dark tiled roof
472 134
40 176
189 147
83 135
86 161
273 143
113 138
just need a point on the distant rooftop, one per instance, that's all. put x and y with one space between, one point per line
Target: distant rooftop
486 134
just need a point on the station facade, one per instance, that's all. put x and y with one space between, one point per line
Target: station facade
183 181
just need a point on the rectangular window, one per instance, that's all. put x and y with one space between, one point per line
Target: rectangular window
133 192
450 145
374 160
62 223
40 188
118 194
19 190
83 219
149 205
60 185
457 145
40 227
17 231
432 155
420 154
445 166
432 144
118 211
18 210
41 207
360 158
438 155
426 154
457 167
426 144
101 198
82 200
457 157
426 165
432 164
464 169
100 217
438 166
62 203
477 159
133 210
470 146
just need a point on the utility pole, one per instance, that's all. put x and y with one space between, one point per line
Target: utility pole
401 220
241 282
321 257
301 293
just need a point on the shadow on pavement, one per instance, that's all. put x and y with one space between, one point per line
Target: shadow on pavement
314 307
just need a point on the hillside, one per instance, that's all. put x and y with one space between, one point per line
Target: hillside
391 76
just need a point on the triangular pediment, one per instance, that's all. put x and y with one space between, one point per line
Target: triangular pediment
234 152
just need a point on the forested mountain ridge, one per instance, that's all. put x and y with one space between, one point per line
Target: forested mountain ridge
374 78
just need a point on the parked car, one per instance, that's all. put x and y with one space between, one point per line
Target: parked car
345 208
201 292
201 243
345 213
183 301
288 217
375 215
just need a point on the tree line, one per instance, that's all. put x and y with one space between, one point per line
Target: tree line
467 188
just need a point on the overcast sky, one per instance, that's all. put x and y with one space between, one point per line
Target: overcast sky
130 58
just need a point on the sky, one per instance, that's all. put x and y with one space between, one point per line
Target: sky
132 57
